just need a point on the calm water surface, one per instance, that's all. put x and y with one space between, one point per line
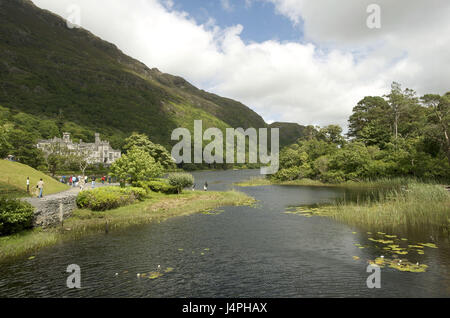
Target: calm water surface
247 252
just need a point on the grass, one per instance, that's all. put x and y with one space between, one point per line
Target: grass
416 206
158 208
13 178
261 181
379 183
394 203
11 191
420 205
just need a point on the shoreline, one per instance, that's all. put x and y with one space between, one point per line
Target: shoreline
158 208
381 183
399 203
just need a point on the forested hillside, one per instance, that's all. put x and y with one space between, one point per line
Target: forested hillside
69 75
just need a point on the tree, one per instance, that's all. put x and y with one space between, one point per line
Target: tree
136 165
371 121
56 157
60 121
181 180
80 157
158 152
399 102
5 146
440 118
332 134
23 147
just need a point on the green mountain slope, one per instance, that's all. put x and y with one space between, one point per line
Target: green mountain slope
289 132
56 73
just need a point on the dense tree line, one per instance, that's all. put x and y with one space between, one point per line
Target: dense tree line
395 135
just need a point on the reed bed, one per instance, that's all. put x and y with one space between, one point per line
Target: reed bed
413 205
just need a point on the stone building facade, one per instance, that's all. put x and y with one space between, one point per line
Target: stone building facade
99 152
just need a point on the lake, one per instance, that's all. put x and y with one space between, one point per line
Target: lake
258 251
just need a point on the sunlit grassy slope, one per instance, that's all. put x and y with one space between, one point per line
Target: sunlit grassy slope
13 177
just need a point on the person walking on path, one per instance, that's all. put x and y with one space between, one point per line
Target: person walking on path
81 184
40 186
93 182
206 186
28 185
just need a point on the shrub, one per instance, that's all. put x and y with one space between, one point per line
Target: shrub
15 216
107 198
138 193
180 180
160 186
333 177
135 166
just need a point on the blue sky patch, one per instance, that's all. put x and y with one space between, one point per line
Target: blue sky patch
260 21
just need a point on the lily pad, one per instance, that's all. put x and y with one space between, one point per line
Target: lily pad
431 245
154 275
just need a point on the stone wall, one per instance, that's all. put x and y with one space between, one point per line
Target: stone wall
51 210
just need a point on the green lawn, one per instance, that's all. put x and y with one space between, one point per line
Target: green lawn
11 191
13 179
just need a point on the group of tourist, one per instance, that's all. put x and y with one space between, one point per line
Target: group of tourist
72 181
81 181
39 192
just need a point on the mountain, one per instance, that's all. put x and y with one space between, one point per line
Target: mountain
70 76
289 132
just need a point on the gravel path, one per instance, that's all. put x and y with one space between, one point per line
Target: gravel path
36 202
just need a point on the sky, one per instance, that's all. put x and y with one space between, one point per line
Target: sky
303 61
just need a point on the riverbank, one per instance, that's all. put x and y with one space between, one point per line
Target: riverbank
390 204
386 183
414 206
158 208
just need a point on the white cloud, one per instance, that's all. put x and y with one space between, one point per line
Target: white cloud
226 5
315 82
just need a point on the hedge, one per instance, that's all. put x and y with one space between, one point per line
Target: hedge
107 198
15 216
157 186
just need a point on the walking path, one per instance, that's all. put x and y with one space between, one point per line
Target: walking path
36 202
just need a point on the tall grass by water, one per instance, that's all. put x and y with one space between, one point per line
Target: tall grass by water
410 205
363 184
